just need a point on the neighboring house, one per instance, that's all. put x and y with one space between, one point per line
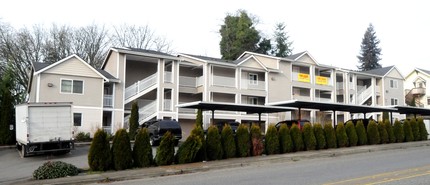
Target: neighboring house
416 92
74 80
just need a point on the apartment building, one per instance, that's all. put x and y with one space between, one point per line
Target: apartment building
416 93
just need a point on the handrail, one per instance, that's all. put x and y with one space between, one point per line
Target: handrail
140 86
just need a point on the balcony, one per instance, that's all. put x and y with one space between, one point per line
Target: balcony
339 88
187 81
107 101
301 97
321 99
418 91
254 85
301 77
323 80
223 81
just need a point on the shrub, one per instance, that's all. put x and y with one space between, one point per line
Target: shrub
297 137
373 133
390 131
309 137
121 151
256 141
351 133
285 142
142 150
330 136
409 136
271 140
99 155
213 144
361 133
227 141
399 132
423 131
201 154
199 118
166 151
133 120
415 129
55 169
342 138
383 134
320 136
188 150
83 137
242 141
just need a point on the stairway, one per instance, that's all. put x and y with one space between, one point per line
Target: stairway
146 113
140 88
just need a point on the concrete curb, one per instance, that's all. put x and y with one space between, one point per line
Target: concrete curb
221 164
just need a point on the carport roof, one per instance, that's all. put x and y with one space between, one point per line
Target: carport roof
235 107
332 106
412 110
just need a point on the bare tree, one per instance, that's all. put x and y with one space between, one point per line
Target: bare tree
91 44
58 43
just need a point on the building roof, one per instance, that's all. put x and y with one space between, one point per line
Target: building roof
208 58
108 75
380 71
39 66
144 51
248 108
295 56
423 70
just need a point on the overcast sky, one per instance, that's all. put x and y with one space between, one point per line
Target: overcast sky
330 30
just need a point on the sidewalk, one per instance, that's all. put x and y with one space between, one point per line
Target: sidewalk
141 173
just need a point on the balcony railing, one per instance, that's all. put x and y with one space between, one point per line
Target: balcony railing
168 77
255 85
301 77
187 81
224 81
140 86
107 129
323 80
320 99
167 105
301 97
107 100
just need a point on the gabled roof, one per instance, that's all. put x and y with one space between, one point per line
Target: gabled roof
206 58
259 54
425 71
380 71
295 56
39 66
108 75
241 61
144 51
139 52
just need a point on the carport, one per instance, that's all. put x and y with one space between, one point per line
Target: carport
413 110
321 106
248 108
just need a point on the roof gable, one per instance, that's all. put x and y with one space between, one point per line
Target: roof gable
379 71
252 62
304 57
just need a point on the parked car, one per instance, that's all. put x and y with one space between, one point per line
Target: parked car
158 128
291 122
365 121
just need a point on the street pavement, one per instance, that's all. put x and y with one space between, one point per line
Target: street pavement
95 177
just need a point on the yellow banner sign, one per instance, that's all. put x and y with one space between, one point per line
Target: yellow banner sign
303 77
321 80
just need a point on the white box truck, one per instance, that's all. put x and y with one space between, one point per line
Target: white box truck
44 127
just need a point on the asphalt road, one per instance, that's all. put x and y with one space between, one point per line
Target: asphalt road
402 166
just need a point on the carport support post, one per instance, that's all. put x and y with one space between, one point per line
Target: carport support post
364 115
300 114
259 118
213 117
391 117
334 118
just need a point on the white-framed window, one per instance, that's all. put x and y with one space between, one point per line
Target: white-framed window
394 101
393 84
428 100
253 100
72 86
253 79
77 119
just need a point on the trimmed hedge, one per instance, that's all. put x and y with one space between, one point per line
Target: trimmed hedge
342 138
99 155
398 131
55 169
272 140
409 136
227 141
330 136
415 129
373 133
351 133
242 141
383 134
121 151
423 131
213 141
309 137
166 151
297 137
361 133
257 146
201 154
390 131
188 150
133 120
142 150
320 136
285 142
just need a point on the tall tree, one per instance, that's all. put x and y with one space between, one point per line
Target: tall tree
370 51
7 110
58 43
283 46
264 47
91 43
238 34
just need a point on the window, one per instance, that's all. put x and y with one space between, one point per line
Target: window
253 100
253 79
394 101
77 119
72 86
393 84
428 100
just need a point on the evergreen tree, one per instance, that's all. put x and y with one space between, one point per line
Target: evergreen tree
415 129
370 51
351 133
297 137
228 143
199 118
142 150
133 120
423 131
121 151
201 154
390 131
407 129
330 136
264 46
213 144
7 110
373 133
361 133
399 132
283 45
383 133
166 151
99 155
309 137
242 141
341 136
257 146
188 150
272 140
320 136
285 142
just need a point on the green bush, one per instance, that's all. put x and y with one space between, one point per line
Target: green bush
330 136
122 157
199 118
55 169
398 131
361 133
242 141
373 133
415 129
142 150
227 141
390 131
309 137
409 136
166 151
201 154
213 144
99 155
285 142
257 147
351 133
188 150
383 134
320 136
297 137
271 140
133 120
423 131
83 137
342 138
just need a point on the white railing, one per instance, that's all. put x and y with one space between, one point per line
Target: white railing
319 99
200 81
303 78
299 97
107 100
147 110
168 77
140 86
167 105
187 81
107 129
259 85
186 110
339 85
363 95
224 81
